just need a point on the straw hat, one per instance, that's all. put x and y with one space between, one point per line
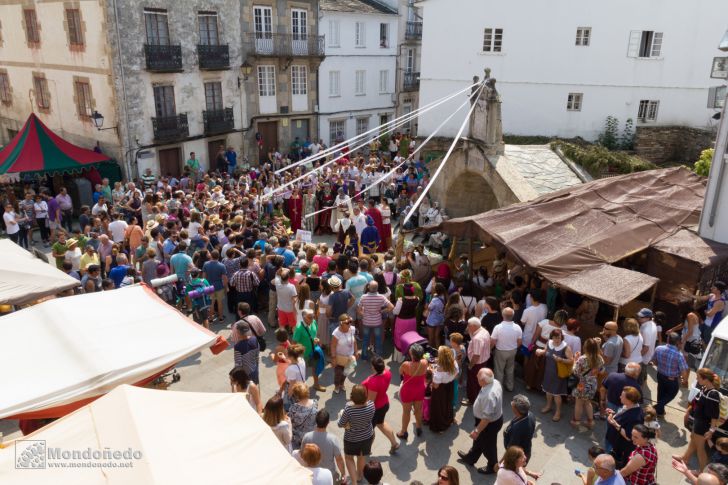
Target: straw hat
334 282
210 204
71 242
215 219
151 224
217 189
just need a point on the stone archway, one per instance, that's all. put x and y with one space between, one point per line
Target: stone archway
469 193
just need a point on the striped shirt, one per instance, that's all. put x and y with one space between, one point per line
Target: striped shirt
359 421
371 305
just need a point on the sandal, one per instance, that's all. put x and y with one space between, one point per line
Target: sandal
393 449
403 436
556 418
574 423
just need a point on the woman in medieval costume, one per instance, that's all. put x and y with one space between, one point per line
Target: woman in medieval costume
386 233
309 207
325 201
295 210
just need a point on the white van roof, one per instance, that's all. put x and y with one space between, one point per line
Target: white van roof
721 331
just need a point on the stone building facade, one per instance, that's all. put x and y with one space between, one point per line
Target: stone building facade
282 45
409 51
55 62
177 80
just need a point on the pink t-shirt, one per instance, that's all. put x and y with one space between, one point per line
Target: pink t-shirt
323 263
379 383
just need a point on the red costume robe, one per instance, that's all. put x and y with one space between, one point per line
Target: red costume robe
295 212
374 213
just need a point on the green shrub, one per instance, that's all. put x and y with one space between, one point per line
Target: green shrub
610 138
597 159
702 166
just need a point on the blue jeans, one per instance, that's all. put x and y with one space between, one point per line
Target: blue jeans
367 331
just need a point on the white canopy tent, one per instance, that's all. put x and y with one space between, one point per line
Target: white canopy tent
177 437
67 350
24 278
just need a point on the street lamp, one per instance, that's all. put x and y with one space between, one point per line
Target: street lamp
98 120
245 70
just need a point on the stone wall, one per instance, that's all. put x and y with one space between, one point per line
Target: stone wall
663 144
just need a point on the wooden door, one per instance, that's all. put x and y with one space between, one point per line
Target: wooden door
170 161
212 148
269 131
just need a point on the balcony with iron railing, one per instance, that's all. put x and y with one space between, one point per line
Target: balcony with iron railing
213 57
163 58
170 128
411 81
284 45
413 31
218 121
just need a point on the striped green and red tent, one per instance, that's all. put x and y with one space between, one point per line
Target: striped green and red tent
37 149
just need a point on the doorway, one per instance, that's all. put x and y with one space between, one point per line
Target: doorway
212 147
299 128
170 161
269 133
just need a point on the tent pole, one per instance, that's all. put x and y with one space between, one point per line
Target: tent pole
654 295
470 258
616 314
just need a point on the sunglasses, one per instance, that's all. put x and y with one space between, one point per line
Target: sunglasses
443 477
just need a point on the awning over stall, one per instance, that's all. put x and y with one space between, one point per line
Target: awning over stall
573 236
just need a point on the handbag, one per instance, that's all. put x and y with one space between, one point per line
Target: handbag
314 354
563 369
343 360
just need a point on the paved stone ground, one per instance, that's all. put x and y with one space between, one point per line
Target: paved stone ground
541 167
558 448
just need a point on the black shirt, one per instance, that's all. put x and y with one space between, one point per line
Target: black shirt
615 384
519 432
490 320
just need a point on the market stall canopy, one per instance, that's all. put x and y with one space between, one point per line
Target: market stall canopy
62 353
177 437
571 235
25 278
37 149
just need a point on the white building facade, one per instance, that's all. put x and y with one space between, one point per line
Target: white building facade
562 67
357 78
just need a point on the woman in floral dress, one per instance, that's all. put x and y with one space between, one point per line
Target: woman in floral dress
587 369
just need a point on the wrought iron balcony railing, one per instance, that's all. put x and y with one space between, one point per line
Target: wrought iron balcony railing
213 57
411 81
163 58
169 128
285 45
218 121
413 30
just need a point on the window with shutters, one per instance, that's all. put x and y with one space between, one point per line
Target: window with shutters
213 96
360 34
32 29
583 36
84 105
360 84
334 83
334 33
362 125
164 101
383 81
207 25
157 26
337 131
299 80
492 40
266 80
6 97
648 110
42 96
75 32
645 44
573 103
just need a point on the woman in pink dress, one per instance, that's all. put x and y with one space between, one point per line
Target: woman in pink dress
412 389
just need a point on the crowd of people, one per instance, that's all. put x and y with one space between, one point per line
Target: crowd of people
220 243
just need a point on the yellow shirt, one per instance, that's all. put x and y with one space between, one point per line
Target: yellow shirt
87 259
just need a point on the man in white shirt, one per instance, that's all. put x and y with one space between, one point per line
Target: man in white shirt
99 206
532 315
359 220
506 338
117 228
648 330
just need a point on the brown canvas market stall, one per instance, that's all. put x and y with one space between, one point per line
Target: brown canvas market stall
582 238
